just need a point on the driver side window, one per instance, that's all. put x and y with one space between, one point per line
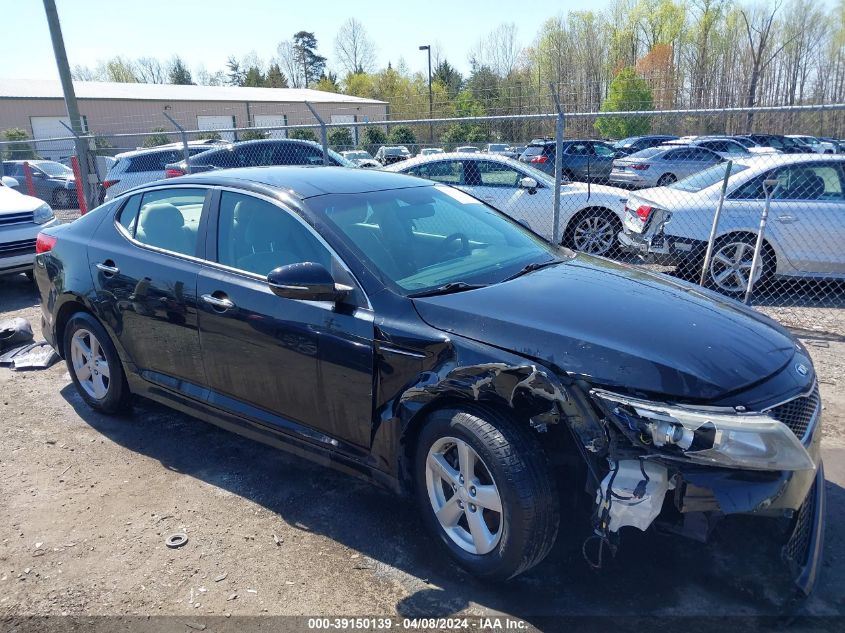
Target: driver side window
256 236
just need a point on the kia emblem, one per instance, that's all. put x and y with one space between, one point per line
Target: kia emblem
802 369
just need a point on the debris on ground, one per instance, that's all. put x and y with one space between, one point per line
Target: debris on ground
14 332
175 540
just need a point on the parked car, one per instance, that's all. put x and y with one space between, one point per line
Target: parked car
138 167
784 144
804 235
590 216
838 146
255 154
21 218
633 144
428 151
387 155
360 158
404 331
53 182
815 145
584 160
102 163
662 165
754 147
727 148
467 149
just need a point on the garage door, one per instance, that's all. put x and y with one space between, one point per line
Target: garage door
51 127
218 123
272 120
347 118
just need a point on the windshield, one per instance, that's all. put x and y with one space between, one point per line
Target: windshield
745 142
533 150
647 153
625 142
706 178
496 147
343 162
54 169
421 238
356 155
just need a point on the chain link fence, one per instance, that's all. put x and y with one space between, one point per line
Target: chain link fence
749 203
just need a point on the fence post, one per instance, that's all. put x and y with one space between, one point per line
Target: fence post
769 187
560 123
709 253
324 138
83 171
27 174
185 153
80 193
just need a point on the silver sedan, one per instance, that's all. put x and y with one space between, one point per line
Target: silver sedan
661 166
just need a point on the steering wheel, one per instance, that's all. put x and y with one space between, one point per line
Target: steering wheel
453 237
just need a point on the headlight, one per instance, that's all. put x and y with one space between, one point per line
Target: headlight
717 437
43 214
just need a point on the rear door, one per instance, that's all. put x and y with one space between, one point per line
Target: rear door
601 161
301 367
145 265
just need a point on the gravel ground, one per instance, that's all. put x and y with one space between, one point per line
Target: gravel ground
89 500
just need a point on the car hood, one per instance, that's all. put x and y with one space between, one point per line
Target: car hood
618 326
12 201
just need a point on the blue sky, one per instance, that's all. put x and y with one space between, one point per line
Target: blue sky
207 31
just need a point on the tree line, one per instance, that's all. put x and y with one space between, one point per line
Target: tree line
633 55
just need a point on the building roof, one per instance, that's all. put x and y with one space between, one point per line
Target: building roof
50 89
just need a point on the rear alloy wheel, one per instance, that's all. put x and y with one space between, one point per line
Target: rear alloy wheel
94 365
666 179
730 265
61 198
594 233
486 491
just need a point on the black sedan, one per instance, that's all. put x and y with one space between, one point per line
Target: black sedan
404 331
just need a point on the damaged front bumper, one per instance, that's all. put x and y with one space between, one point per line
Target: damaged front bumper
689 499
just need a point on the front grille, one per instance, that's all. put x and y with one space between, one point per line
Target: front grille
18 247
796 550
23 217
798 413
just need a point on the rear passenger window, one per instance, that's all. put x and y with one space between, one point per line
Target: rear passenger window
169 219
128 217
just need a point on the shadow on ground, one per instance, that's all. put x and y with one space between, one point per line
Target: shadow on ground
653 573
16 293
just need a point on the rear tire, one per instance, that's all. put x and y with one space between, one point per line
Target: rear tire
666 179
485 490
94 365
730 264
61 199
594 231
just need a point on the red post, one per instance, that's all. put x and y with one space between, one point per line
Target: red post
80 195
27 172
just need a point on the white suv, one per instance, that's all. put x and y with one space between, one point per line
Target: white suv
21 218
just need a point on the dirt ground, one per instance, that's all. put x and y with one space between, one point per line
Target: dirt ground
87 502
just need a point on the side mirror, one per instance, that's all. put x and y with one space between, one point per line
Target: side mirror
528 183
307 281
10 182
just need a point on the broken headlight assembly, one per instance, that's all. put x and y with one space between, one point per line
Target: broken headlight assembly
717 436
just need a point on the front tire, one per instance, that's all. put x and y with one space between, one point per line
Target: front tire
61 198
486 491
94 365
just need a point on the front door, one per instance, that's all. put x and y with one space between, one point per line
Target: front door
302 367
144 265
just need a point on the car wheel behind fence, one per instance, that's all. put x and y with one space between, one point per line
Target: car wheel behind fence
595 232
666 179
61 199
730 264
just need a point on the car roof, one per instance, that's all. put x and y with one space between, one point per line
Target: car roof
775 160
447 156
305 181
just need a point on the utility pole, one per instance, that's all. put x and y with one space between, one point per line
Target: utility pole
427 48
70 97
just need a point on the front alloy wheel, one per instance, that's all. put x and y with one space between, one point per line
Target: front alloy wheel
61 198
90 364
463 495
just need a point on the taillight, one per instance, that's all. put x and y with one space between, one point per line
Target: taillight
639 166
643 211
44 243
109 183
173 173
539 159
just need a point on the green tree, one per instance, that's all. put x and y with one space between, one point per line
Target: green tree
447 75
341 137
254 78
253 135
458 133
275 77
328 83
303 134
305 55
235 75
628 92
19 148
157 137
374 136
179 73
402 135
209 136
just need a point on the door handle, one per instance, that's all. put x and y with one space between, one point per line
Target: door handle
218 303
787 219
106 269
